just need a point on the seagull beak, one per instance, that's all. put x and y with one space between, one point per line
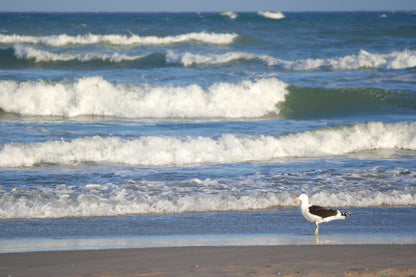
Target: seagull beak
297 199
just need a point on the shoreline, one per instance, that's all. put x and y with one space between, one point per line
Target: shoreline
23 245
292 260
243 228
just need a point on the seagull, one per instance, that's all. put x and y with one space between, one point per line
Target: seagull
318 214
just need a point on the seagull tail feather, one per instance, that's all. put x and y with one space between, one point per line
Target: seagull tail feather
345 213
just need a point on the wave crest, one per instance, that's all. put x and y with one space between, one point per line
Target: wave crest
24 52
272 15
176 151
115 39
231 15
95 96
363 60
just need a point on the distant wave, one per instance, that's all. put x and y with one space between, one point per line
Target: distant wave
272 15
364 60
394 60
26 52
115 39
189 59
231 15
96 96
228 148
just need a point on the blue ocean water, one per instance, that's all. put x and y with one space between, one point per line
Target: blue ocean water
187 124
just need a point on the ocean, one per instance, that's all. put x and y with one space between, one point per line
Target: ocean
148 129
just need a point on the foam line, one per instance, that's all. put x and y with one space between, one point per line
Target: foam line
114 200
115 39
27 52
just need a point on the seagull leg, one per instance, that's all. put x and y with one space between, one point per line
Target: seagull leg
317 229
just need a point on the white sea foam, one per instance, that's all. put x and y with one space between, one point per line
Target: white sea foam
114 39
365 198
95 96
188 59
231 15
272 15
206 195
180 151
112 200
394 60
27 52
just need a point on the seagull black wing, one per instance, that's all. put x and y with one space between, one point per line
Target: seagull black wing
322 212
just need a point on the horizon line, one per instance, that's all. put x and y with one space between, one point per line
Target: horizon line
222 11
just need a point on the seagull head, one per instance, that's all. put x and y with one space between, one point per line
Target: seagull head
302 198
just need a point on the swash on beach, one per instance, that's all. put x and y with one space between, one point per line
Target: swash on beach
124 119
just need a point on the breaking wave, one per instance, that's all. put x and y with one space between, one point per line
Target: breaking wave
156 198
231 15
363 60
228 148
112 200
31 53
272 15
116 39
96 96
189 59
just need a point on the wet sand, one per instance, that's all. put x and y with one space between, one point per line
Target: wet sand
301 260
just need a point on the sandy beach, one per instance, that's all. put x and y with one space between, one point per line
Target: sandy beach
318 260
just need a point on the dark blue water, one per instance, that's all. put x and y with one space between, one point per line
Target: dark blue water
112 119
